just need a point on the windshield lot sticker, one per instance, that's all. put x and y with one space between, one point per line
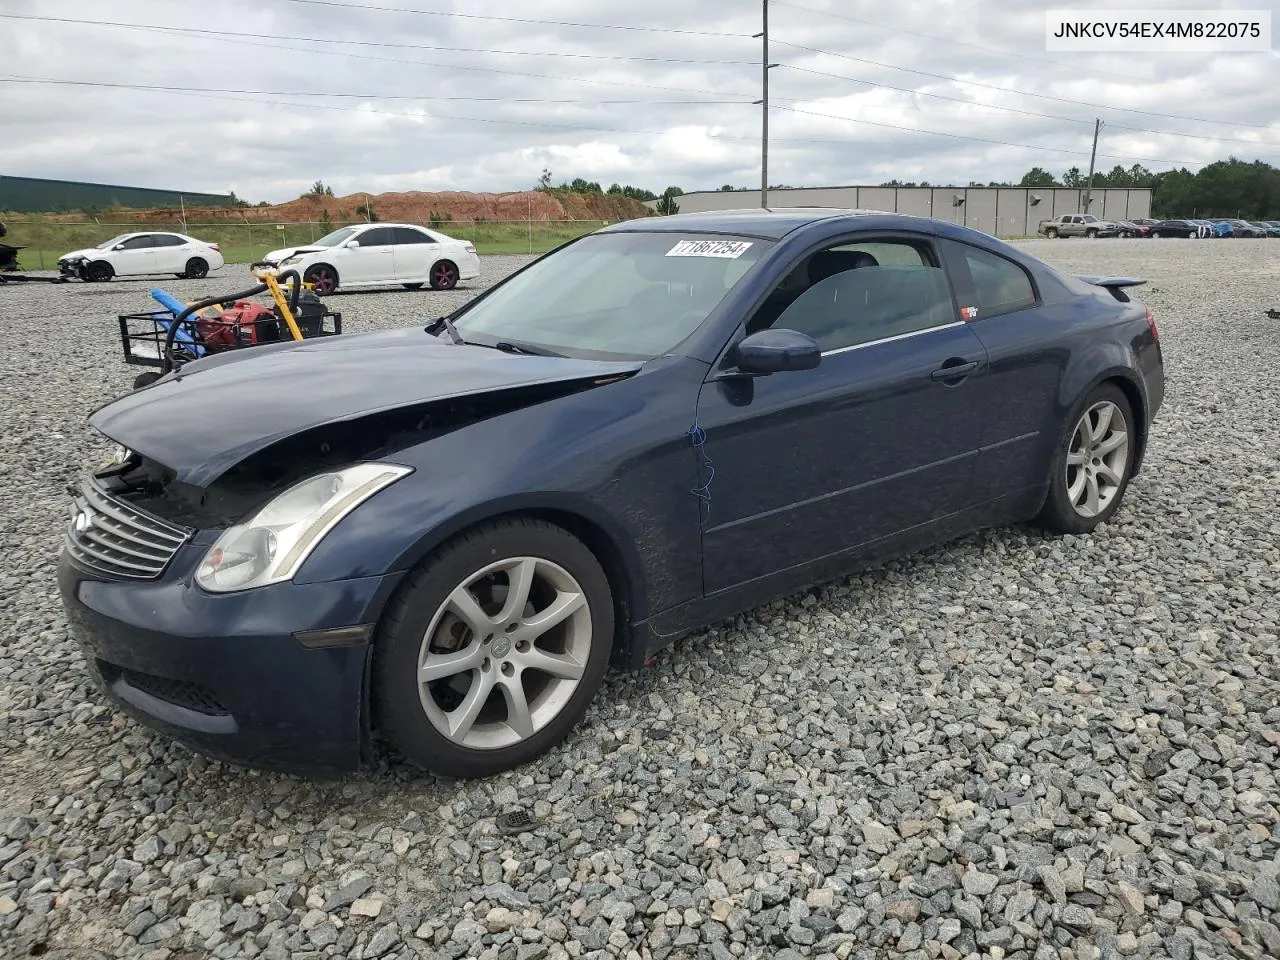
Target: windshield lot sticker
968 312
725 249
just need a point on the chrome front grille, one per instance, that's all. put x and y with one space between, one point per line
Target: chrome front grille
110 537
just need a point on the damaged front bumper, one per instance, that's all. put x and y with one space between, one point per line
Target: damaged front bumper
273 678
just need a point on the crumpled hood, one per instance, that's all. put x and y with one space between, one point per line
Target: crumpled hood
86 252
216 412
275 256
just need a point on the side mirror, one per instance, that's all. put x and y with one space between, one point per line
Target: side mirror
352 244
118 246
776 351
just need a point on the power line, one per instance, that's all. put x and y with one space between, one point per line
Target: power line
1027 113
238 38
222 94
239 35
213 94
1021 93
950 40
478 16
351 96
1002 143
495 70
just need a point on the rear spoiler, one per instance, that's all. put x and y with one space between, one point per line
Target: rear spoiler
1114 285
1113 281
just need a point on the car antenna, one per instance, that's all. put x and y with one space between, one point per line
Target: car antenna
445 322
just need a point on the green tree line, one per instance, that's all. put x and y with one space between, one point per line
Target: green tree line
1227 188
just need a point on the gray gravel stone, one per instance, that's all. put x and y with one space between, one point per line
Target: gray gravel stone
1084 716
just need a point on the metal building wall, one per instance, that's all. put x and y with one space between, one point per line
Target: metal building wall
1000 211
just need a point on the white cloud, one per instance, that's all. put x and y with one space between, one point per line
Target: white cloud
381 141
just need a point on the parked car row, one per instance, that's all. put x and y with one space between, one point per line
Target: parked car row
365 255
1200 229
1087 225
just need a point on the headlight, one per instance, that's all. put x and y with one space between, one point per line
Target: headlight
288 260
272 544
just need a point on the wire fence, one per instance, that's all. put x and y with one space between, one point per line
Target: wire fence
245 242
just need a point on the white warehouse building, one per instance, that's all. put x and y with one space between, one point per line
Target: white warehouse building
1005 212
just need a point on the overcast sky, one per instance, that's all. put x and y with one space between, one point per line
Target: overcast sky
480 132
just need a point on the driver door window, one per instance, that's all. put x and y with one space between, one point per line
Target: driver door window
137 255
853 294
374 260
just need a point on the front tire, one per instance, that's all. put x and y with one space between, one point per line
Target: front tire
99 272
1051 233
1091 234
323 279
493 649
1093 463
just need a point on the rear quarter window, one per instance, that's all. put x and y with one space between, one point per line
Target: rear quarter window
1001 286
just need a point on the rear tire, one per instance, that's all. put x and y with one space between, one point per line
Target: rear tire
1093 463
197 269
99 272
502 691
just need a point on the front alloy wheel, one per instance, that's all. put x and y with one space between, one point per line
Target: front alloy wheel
494 649
504 653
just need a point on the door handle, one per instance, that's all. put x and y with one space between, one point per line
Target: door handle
955 371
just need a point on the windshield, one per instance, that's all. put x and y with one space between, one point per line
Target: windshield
614 295
335 238
112 242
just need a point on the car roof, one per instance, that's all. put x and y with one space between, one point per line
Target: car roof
379 223
769 223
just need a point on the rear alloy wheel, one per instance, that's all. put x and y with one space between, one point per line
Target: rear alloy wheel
493 649
444 275
323 279
197 269
1092 467
99 272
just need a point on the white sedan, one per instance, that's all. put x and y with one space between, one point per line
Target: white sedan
374 254
143 254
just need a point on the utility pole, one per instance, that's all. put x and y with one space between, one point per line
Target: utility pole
764 107
1088 190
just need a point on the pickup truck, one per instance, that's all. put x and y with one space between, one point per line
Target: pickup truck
1077 225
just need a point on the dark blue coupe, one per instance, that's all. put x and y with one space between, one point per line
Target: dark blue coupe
443 537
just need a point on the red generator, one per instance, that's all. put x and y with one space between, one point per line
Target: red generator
243 324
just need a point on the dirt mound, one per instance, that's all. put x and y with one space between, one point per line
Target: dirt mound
414 207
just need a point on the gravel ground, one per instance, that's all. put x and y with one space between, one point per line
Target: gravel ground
1011 746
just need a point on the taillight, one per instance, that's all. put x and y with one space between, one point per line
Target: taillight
214 246
469 247
1151 324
